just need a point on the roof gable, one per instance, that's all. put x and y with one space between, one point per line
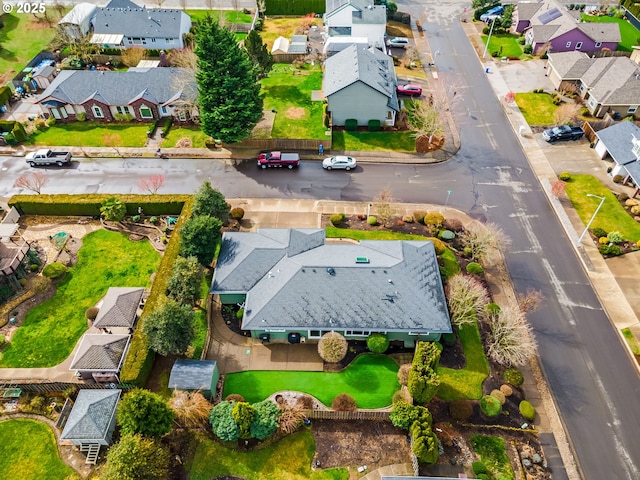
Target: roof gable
91 415
618 139
119 307
101 352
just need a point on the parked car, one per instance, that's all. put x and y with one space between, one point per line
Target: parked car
48 157
278 159
563 132
492 13
339 162
410 89
400 42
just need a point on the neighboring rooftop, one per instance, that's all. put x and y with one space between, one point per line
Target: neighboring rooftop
91 415
618 139
119 307
100 353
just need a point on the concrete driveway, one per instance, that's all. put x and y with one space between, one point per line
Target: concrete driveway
524 76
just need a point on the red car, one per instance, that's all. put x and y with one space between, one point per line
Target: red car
410 89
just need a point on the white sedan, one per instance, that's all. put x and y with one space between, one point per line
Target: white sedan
339 162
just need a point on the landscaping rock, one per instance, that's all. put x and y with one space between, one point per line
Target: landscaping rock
630 202
635 210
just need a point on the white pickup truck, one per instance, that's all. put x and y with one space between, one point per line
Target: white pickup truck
46 156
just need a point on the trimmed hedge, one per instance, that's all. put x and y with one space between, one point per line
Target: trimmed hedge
527 410
513 376
490 406
54 270
373 126
299 8
378 343
139 360
89 205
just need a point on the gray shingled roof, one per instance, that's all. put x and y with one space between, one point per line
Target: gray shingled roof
633 169
618 140
570 65
101 352
324 288
366 12
131 20
526 10
116 88
91 415
119 307
192 374
601 32
357 63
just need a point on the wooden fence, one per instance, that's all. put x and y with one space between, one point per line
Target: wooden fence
283 144
286 57
357 415
590 128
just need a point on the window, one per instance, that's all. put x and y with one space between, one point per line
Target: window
632 109
598 44
275 330
169 40
164 110
97 112
153 40
56 113
123 110
70 110
63 111
592 102
145 112
357 333
314 334
582 87
578 45
568 44
136 41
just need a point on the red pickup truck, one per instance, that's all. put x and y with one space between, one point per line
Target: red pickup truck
278 159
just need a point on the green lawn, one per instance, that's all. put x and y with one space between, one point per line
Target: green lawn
230 16
201 324
91 134
370 379
197 136
22 38
503 45
611 217
287 90
631 341
334 232
467 382
402 141
51 329
628 32
288 459
537 108
493 453
28 452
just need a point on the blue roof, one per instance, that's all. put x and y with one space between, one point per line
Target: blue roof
91 415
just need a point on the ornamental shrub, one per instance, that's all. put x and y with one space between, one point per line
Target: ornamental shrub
603 241
371 220
234 397
91 313
453 224
528 49
513 376
237 213
565 176
506 390
499 396
527 410
344 403
479 468
378 342
407 219
618 178
474 268
336 219
373 125
599 232
54 270
438 245
460 409
623 196
403 414
434 218
351 124
615 237
418 216
467 252
611 250
446 235
492 308
490 406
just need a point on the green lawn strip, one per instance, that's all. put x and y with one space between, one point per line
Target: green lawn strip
287 90
628 33
334 232
507 42
201 319
198 137
370 379
537 108
631 341
288 459
403 141
28 452
450 264
22 37
91 134
51 329
611 217
493 453
230 16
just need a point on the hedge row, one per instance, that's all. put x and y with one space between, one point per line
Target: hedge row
296 7
89 205
139 361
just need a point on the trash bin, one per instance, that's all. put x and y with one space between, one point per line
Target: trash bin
294 337
265 337
486 70
320 149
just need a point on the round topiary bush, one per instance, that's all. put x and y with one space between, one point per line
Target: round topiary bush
527 410
34 267
402 395
475 268
344 403
490 406
371 220
615 237
446 235
91 313
240 313
378 342
453 224
434 218
336 219
506 390
599 232
460 409
438 245
513 376
618 178
623 196
418 216
407 219
565 176
467 252
54 270
499 395
237 213
479 468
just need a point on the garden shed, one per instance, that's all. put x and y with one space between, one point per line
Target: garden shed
118 309
195 375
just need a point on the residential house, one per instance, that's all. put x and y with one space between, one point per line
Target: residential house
100 356
78 23
360 83
143 95
295 286
621 143
607 84
123 24
356 18
13 247
548 23
119 309
91 421
195 376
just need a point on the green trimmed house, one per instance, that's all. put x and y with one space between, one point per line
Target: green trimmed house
295 286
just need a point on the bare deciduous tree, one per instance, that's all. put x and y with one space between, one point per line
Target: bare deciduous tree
485 241
425 117
113 140
131 56
332 347
510 341
182 58
384 205
160 2
151 184
467 298
191 408
566 113
32 181
559 188
262 7
530 301
182 80
403 373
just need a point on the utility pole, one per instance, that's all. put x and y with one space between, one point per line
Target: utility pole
484 54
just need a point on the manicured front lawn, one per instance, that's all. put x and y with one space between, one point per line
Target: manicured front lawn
28 451
628 33
370 379
230 16
287 90
537 108
611 217
288 459
22 38
50 330
504 45
402 141
198 137
92 134
334 232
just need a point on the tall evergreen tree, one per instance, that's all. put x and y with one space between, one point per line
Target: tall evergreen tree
228 90
258 53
